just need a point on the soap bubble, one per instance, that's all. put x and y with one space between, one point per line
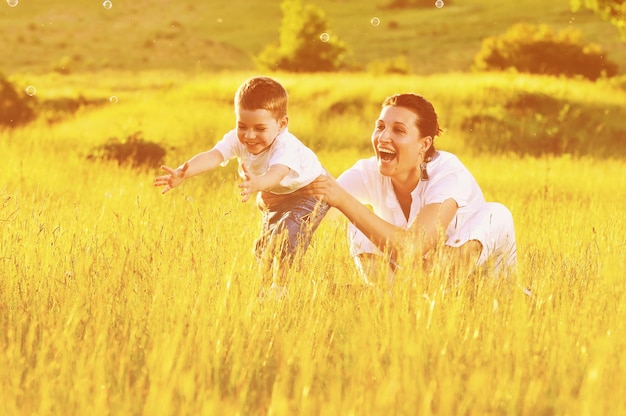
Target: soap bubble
30 90
375 21
113 99
107 4
324 37
12 3
439 4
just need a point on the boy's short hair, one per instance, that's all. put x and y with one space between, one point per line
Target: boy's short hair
262 93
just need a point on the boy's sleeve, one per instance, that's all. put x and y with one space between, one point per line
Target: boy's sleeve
228 146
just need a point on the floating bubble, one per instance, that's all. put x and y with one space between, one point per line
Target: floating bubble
30 90
375 21
107 4
12 3
324 37
439 4
113 99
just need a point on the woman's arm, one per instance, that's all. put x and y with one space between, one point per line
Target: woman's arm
423 234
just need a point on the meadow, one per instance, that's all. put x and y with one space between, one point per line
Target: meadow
40 36
117 300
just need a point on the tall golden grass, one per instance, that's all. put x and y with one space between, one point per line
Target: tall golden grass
115 299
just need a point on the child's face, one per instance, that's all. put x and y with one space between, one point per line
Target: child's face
257 129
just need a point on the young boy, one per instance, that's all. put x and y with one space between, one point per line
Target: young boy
270 159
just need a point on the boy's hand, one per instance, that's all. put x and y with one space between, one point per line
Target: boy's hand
174 178
249 185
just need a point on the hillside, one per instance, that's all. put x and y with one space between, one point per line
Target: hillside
69 36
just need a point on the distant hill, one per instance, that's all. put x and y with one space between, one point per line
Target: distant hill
72 36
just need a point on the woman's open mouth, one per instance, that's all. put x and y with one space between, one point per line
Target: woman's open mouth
386 155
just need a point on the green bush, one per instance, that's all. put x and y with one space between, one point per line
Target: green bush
538 50
305 44
134 151
538 124
15 108
612 10
412 4
397 65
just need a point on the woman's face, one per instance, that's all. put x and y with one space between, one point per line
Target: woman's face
397 143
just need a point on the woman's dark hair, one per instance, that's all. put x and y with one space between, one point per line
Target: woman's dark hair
427 123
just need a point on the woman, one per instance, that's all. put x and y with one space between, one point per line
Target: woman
424 202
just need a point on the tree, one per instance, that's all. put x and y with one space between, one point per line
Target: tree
612 10
305 44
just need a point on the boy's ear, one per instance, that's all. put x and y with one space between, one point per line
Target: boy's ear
283 122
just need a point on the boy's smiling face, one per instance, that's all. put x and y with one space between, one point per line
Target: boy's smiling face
257 129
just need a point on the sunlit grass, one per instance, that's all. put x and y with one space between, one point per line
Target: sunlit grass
115 299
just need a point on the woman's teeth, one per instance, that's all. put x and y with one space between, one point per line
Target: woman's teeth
386 154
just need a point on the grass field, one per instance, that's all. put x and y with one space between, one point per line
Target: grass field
117 300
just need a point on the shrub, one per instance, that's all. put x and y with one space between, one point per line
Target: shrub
304 44
397 65
15 108
537 50
612 10
412 4
538 124
134 151
55 110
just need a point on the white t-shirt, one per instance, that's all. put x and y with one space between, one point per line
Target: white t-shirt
448 178
286 150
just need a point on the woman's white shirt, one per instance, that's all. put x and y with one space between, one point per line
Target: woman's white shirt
448 178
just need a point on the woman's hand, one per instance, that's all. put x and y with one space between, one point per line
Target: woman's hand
324 187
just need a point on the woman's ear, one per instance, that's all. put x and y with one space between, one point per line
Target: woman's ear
427 142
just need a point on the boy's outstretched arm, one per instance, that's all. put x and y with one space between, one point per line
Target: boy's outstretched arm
200 163
264 182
